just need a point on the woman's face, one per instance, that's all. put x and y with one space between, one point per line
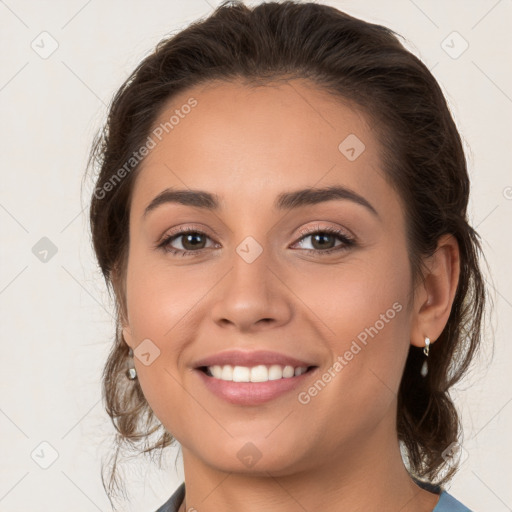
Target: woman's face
254 281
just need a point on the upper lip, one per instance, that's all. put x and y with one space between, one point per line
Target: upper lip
250 358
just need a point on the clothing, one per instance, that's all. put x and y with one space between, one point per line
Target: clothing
175 501
446 503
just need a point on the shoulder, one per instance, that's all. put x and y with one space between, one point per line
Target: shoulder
174 502
447 503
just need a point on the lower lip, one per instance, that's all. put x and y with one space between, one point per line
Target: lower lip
252 393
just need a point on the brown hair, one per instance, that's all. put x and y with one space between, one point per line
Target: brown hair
422 157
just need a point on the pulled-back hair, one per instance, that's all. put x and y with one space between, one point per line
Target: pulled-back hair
421 154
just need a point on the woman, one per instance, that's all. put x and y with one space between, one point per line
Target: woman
281 212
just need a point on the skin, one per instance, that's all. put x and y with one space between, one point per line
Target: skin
340 450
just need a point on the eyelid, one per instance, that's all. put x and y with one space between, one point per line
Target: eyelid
303 231
329 229
178 230
348 239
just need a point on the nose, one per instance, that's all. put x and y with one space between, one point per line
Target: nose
251 297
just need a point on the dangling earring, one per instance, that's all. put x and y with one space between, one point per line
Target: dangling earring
131 373
424 368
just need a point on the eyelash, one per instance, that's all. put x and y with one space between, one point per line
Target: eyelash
347 241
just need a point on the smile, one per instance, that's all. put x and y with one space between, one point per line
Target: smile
242 385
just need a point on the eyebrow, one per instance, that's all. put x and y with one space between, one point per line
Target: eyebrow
284 201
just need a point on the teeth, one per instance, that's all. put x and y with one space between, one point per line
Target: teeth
260 373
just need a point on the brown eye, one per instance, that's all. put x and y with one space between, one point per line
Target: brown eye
190 240
323 240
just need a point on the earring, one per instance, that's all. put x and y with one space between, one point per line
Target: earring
131 373
426 348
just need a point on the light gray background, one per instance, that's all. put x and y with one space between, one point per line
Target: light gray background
56 317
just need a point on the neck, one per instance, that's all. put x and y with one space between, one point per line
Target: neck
368 475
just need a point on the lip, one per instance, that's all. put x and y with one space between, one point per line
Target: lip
252 393
251 358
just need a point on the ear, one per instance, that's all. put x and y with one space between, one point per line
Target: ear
128 337
434 296
127 331
119 291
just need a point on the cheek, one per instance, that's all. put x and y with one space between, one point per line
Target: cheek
362 318
157 309
358 294
361 310
164 306
158 297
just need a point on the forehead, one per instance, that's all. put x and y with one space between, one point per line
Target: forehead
243 142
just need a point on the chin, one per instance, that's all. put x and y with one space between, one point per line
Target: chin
257 459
